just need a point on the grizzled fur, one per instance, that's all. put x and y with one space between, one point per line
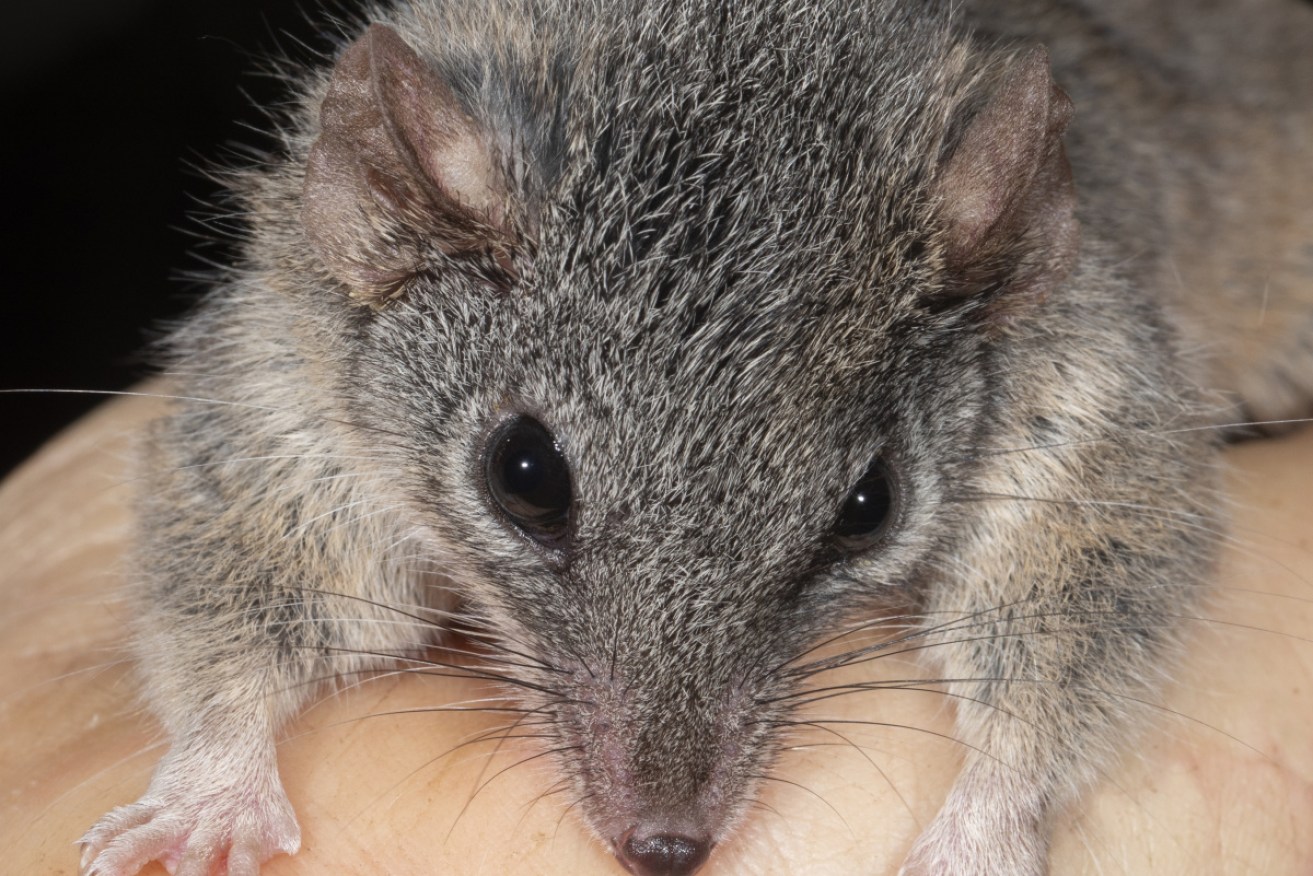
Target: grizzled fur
727 255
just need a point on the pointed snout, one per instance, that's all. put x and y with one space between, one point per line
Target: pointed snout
660 853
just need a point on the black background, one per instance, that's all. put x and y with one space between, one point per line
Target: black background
109 107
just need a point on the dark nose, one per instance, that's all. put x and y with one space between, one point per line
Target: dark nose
662 854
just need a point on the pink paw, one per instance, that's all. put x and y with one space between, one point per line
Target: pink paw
930 857
222 831
991 841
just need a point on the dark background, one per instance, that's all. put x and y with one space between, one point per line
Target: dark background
108 108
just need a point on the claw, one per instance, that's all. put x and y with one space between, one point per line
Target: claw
191 833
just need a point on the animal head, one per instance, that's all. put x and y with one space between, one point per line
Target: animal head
677 325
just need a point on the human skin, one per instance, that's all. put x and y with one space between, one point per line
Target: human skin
1220 782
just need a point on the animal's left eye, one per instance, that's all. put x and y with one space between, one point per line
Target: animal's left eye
867 511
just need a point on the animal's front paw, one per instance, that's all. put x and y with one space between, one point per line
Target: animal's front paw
193 831
978 841
933 858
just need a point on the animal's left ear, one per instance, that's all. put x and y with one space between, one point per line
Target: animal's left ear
401 177
1005 194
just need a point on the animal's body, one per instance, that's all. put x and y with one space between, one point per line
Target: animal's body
665 339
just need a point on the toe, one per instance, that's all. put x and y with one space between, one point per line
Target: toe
113 824
127 853
244 858
203 851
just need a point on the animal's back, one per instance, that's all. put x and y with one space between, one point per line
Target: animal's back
1192 150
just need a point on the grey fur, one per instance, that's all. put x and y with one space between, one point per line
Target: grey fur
727 290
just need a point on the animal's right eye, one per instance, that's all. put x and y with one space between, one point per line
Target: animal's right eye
867 511
529 480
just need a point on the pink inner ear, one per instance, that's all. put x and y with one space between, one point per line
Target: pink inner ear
400 175
448 148
1007 185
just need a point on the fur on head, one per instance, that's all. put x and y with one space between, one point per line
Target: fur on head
728 256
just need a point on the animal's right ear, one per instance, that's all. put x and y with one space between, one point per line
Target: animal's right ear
401 178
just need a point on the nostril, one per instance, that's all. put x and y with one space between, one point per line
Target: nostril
662 854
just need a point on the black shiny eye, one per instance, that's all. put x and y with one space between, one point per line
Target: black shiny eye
529 480
867 511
